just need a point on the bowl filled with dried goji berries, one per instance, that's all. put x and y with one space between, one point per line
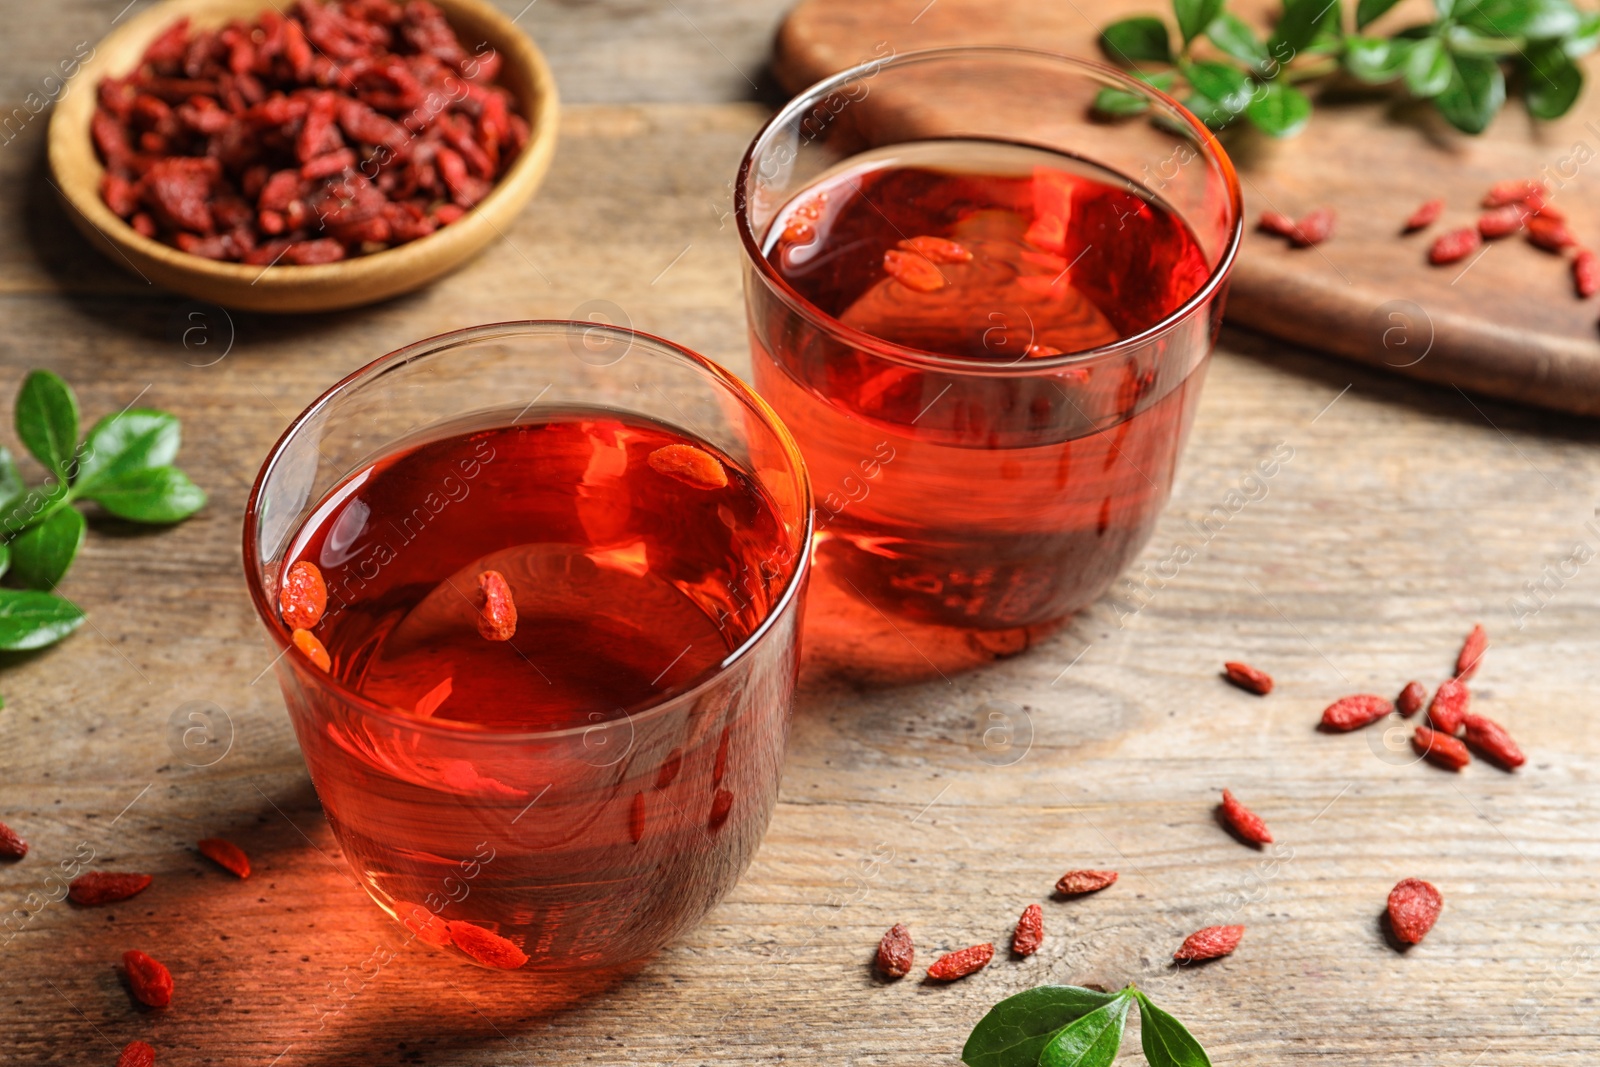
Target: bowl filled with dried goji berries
306 156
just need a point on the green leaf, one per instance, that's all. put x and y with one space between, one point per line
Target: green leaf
41 555
1519 18
1279 109
1194 16
1235 37
1582 41
1091 1041
1228 87
31 619
47 420
5 563
1017 1029
123 443
11 484
1116 103
1376 59
1553 81
32 506
1428 68
1368 10
1167 1043
1476 91
155 494
1143 37
1300 22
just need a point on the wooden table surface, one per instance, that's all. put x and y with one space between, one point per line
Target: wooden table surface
1405 514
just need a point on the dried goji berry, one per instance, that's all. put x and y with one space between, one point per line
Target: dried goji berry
1210 943
1586 273
1074 883
1414 907
1513 190
427 926
1440 749
1354 712
93 888
1502 221
1248 678
1455 245
12 846
1492 742
1449 706
307 643
1411 699
1550 234
1537 203
136 1054
896 952
150 981
913 270
485 946
1246 823
225 854
1425 215
689 465
1471 654
959 964
497 614
1029 935
1276 223
937 249
1314 228
304 596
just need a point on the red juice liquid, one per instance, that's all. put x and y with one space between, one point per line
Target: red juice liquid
953 496
631 586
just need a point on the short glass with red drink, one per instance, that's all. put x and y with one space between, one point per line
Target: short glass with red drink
985 309
573 790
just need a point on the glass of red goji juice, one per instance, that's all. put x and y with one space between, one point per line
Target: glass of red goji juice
985 309
535 589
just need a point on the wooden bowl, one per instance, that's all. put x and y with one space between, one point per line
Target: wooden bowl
347 283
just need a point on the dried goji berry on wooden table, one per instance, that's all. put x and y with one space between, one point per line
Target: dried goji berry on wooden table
1426 215
1414 907
1074 883
1210 943
93 888
959 964
1248 678
1354 712
1313 229
1029 935
1411 699
225 854
1276 223
1449 706
1586 273
136 1054
1453 246
896 951
150 981
1491 741
12 846
1246 823
1440 749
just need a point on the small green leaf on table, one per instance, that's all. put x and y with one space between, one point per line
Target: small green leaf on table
1476 92
1234 36
1553 81
1016 1030
154 494
41 554
1518 18
1166 1041
1428 68
1090 1041
1376 59
1194 16
47 420
1300 23
31 619
1142 38
129 441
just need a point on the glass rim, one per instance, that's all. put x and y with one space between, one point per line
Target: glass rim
266 603
1208 144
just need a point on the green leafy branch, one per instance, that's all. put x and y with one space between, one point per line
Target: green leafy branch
124 464
1459 61
1069 1026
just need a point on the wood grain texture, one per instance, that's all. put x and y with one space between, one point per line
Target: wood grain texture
1406 513
1504 323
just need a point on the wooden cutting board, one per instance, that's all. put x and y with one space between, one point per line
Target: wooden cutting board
1506 323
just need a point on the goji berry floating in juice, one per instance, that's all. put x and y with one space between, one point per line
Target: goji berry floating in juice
1011 500
610 587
